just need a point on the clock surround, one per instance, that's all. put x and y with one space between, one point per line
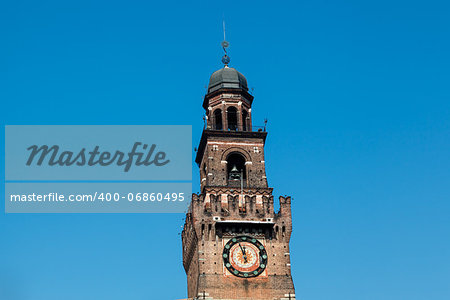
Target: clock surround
245 257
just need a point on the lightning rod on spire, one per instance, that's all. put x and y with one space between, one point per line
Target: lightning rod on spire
225 45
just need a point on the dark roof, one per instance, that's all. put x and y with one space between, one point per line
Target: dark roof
227 78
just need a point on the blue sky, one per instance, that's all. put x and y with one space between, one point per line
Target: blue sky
357 98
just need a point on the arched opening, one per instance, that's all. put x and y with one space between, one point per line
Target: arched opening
236 172
218 119
244 120
232 118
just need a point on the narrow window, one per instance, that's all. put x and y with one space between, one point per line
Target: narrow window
232 118
244 120
218 119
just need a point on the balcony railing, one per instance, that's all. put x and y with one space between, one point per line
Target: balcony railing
239 129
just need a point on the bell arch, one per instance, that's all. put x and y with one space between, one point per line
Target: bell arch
239 150
236 170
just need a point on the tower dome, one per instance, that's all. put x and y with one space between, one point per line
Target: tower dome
228 78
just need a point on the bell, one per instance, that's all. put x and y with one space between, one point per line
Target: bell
234 173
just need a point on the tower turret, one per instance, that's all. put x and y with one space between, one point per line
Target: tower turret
235 246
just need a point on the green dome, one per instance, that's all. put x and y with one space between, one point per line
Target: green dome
228 78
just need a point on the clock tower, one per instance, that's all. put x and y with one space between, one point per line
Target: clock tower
235 245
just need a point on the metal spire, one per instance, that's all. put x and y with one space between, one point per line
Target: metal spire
225 45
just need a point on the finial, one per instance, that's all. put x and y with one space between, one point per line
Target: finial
225 45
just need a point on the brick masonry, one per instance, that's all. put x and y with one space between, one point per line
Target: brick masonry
228 207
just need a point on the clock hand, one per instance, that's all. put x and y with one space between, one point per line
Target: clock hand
243 252
242 249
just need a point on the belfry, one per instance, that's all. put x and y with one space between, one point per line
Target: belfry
235 246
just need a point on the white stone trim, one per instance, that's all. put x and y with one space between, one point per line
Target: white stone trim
237 144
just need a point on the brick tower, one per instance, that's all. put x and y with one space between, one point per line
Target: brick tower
235 246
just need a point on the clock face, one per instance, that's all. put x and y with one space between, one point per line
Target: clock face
245 256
